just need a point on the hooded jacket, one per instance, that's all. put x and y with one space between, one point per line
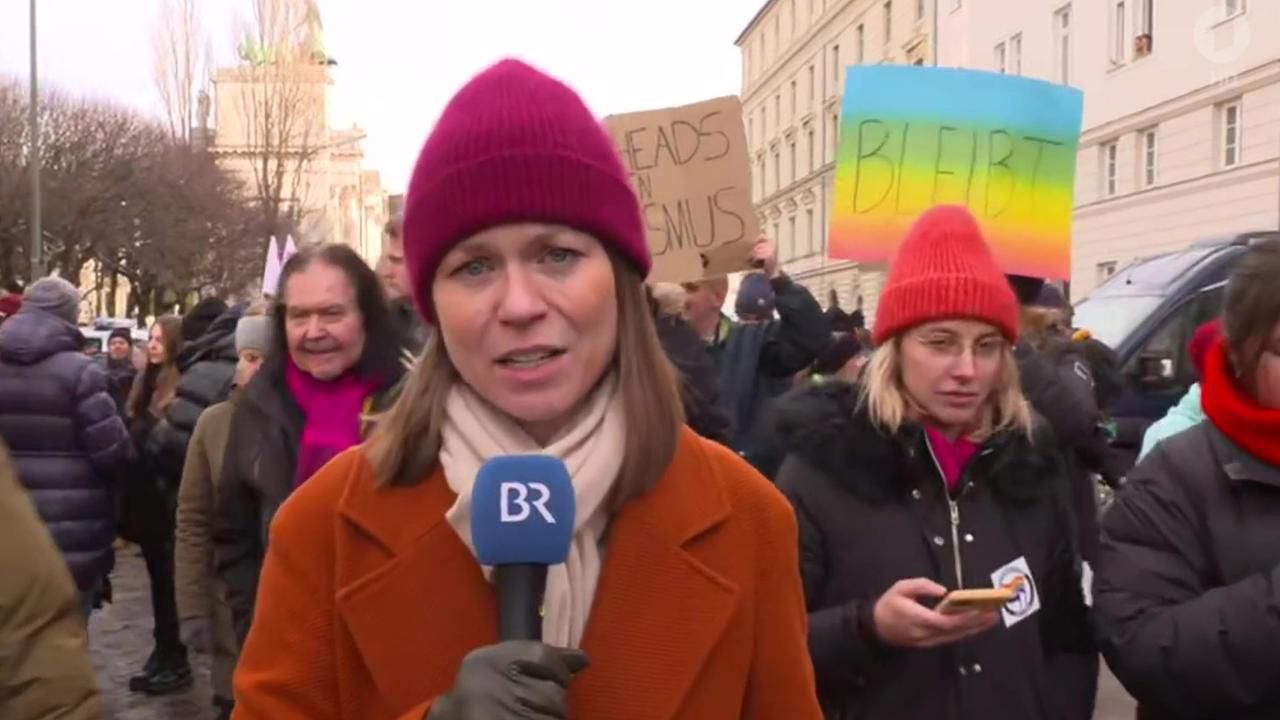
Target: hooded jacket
873 509
65 435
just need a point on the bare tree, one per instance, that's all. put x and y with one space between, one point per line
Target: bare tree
281 98
181 63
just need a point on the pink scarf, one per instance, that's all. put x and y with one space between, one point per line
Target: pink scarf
333 410
953 456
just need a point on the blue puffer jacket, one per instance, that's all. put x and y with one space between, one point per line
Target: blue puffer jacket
65 436
1181 417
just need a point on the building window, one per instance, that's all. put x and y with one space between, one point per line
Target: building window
791 149
1062 45
777 42
764 59
1015 54
751 132
919 9
776 233
835 69
813 88
791 237
1149 155
1106 270
777 111
1000 58
813 160
793 99
1144 41
1231 131
1110 168
1119 37
835 133
777 170
860 44
808 232
1231 8
812 10
794 22
764 125
888 21
760 171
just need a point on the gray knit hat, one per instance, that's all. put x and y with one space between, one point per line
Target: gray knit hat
55 296
253 332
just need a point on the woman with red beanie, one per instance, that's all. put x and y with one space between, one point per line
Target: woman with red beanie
680 598
931 477
1187 593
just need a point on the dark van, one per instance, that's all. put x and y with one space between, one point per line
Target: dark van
1147 313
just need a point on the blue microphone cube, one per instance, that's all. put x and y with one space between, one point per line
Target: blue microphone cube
522 511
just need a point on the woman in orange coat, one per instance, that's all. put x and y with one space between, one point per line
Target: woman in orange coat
680 598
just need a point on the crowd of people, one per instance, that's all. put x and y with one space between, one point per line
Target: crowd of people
772 508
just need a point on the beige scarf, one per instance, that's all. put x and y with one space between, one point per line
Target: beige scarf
591 446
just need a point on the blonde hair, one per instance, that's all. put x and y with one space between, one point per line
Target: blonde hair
404 447
889 405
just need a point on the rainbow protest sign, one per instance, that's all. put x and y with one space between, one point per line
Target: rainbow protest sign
914 137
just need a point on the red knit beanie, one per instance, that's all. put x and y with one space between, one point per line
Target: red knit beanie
1201 341
944 270
515 145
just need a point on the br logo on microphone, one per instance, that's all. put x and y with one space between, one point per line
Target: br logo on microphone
522 511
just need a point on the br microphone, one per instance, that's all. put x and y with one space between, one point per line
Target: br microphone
522 513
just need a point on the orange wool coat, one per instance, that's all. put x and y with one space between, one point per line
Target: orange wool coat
369 601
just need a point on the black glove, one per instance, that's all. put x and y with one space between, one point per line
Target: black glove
514 679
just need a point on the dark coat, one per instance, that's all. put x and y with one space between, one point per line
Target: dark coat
120 375
1060 388
874 510
409 328
257 477
756 361
208 367
65 434
1187 591
699 386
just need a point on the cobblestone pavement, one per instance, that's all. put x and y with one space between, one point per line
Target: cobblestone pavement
120 641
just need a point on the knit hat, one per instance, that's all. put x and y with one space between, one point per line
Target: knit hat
1201 341
945 270
842 348
10 304
755 296
56 296
253 332
201 317
122 333
515 145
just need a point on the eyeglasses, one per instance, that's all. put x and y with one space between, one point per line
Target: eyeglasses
954 348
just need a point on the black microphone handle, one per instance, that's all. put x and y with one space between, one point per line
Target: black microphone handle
520 590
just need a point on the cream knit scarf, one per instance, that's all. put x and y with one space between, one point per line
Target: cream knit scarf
591 446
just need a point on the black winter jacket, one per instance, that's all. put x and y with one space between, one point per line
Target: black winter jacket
874 509
208 367
65 435
699 386
755 362
257 477
1187 591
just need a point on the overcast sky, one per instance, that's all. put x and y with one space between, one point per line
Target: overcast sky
400 60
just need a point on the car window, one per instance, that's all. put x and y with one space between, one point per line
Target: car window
1164 360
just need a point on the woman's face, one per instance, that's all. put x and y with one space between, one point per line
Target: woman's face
950 368
156 353
529 317
1267 378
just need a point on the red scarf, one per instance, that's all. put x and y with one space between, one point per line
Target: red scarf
1234 412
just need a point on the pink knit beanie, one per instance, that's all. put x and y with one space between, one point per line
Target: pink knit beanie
515 145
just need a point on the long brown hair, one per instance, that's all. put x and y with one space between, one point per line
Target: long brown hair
1252 307
158 381
405 445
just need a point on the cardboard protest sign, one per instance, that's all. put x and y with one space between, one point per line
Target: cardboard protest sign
914 137
690 168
